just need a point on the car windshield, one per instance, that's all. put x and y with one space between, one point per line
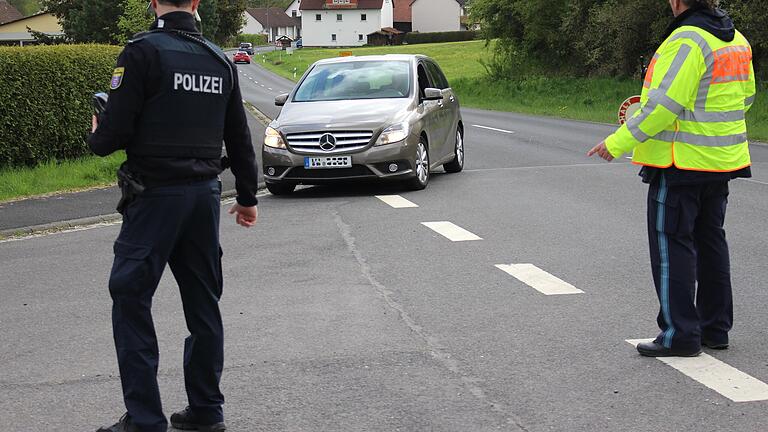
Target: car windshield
355 80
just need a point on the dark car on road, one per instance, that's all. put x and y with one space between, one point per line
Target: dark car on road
247 47
391 117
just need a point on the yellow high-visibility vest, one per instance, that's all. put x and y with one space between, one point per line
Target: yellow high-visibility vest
694 102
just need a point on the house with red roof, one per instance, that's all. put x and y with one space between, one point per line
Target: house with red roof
8 13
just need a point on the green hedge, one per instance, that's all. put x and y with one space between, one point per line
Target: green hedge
45 100
255 39
436 37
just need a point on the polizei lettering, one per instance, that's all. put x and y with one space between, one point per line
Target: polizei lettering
198 83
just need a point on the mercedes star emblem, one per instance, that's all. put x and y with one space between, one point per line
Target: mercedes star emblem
327 142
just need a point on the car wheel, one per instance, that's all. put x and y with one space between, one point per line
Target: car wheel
421 167
457 164
281 188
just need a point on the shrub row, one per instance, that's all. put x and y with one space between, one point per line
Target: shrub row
436 37
45 100
255 39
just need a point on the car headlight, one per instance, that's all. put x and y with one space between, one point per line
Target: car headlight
272 138
395 133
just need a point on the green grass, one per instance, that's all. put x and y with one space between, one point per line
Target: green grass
64 176
592 99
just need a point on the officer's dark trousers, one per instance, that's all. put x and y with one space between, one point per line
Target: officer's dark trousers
178 225
689 257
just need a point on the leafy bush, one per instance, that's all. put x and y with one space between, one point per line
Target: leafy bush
45 113
255 39
452 36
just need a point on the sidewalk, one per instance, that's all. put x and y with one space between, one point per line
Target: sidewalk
81 208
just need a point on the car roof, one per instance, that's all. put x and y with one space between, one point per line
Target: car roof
386 57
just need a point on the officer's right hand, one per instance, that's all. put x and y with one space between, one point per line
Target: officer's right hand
245 216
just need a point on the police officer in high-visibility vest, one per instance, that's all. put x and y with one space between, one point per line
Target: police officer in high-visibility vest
691 138
174 99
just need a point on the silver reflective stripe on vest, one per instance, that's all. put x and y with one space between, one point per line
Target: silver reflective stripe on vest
701 140
712 117
750 100
709 60
658 96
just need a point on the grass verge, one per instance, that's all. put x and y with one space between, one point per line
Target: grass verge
591 99
50 177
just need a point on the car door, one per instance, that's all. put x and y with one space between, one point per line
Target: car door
431 111
445 112
451 106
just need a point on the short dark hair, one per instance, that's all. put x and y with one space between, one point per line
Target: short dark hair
177 3
709 4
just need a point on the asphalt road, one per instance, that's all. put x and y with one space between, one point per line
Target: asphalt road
343 313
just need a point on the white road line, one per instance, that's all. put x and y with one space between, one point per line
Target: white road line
451 231
261 85
396 201
269 88
720 377
494 129
628 157
538 279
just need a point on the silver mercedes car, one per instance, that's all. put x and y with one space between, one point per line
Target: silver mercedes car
391 117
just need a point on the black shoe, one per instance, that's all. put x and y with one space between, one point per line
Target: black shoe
124 425
185 420
652 349
714 345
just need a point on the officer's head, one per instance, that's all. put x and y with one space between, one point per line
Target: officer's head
162 7
680 6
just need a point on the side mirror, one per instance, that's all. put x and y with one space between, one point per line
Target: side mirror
281 100
433 94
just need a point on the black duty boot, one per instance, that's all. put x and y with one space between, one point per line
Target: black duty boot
186 420
653 349
124 425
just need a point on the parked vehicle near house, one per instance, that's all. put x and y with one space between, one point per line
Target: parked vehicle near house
391 117
247 47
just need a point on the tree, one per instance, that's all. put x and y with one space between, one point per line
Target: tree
134 19
209 14
87 20
231 19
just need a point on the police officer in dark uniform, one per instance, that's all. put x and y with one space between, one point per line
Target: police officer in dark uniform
174 99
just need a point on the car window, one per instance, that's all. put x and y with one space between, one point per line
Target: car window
424 80
438 78
355 80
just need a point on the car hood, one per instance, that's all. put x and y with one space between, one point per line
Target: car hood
368 114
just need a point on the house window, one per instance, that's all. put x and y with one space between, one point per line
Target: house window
360 37
363 17
338 17
318 17
333 37
293 14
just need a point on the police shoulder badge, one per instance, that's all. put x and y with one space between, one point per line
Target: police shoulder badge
117 78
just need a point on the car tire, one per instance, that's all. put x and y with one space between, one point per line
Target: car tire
457 164
281 188
420 167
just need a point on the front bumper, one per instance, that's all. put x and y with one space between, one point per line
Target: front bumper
371 163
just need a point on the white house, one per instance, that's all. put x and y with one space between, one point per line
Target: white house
436 15
294 10
343 22
271 21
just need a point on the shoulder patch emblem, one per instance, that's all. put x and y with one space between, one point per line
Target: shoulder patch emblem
117 78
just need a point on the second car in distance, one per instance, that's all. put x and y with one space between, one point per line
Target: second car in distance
391 117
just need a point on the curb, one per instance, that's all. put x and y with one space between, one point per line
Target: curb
54 227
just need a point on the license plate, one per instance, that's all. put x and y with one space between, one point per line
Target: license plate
328 162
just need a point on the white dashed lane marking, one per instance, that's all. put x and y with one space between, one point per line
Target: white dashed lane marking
494 129
538 279
396 201
718 376
451 231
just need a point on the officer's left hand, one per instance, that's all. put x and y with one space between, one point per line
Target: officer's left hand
245 216
601 151
94 123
